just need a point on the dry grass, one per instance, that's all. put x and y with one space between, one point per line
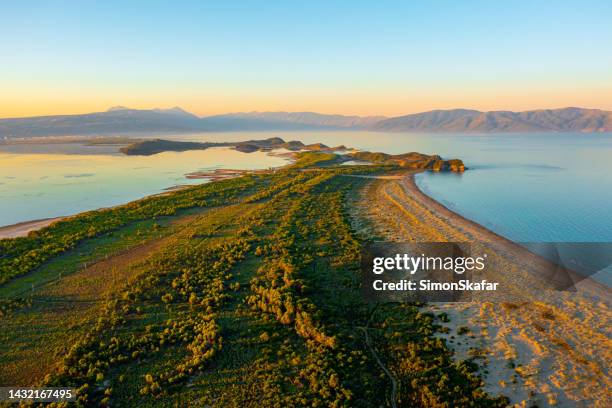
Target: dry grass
64 309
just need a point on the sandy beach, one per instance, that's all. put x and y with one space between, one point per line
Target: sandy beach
547 347
22 229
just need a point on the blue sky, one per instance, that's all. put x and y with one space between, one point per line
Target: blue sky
349 57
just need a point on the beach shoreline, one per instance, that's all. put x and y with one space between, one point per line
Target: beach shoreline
540 346
22 229
529 349
408 181
488 235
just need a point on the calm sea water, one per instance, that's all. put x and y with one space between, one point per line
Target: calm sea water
73 178
546 188
527 187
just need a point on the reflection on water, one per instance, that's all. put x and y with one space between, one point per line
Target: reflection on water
35 186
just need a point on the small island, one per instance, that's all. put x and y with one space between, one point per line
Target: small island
412 160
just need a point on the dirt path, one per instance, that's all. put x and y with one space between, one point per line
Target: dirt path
548 347
382 366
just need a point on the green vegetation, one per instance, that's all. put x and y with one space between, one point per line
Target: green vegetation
87 252
310 159
253 299
21 255
412 161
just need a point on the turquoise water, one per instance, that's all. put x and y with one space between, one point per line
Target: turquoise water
538 188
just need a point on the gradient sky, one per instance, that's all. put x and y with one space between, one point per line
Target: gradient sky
349 57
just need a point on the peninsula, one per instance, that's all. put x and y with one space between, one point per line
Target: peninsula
249 286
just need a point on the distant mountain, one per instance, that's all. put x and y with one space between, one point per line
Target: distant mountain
464 120
124 120
115 120
120 119
176 111
287 121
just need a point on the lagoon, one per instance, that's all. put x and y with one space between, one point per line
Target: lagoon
74 179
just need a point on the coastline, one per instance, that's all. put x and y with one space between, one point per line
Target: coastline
510 246
533 348
541 347
22 229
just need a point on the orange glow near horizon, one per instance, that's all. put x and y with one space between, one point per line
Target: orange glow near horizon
52 101
350 58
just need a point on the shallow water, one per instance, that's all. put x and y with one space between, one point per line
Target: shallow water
43 185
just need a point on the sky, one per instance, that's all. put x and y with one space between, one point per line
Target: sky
347 57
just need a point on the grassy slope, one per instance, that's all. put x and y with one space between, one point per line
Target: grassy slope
250 303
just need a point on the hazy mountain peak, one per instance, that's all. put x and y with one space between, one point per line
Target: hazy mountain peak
177 110
279 120
117 108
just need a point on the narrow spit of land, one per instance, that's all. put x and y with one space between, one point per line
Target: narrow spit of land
547 348
245 292
234 293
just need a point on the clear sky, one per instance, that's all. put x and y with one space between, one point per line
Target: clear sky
349 57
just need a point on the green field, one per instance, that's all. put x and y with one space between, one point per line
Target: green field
241 292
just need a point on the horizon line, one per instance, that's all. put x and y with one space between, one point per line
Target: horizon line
121 107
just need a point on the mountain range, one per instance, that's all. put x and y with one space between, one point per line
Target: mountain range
122 120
